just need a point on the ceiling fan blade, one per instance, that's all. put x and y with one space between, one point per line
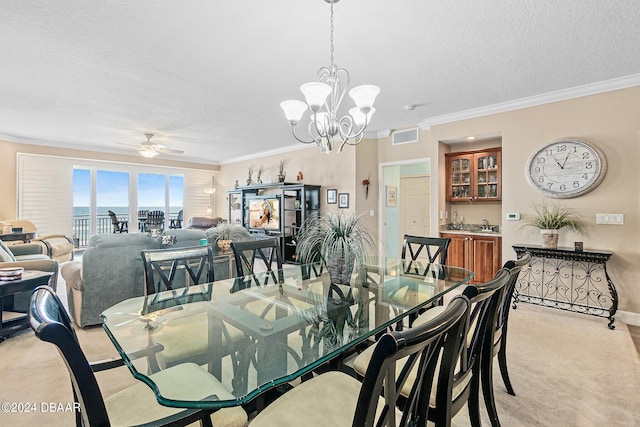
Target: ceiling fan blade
128 145
170 150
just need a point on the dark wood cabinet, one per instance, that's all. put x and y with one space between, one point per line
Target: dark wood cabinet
293 202
480 254
474 175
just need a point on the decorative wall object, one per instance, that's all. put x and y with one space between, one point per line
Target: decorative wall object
343 200
392 196
332 196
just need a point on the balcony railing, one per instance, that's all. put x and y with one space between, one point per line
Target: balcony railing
82 227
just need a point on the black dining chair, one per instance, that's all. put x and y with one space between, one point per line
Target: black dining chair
118 226
462 386
134 405
336 398
188 274
419 252
498 347
246 253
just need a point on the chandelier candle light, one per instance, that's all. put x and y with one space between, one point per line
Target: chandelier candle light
326 126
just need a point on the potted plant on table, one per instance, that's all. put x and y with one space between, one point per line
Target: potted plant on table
550 218
338 238
223 234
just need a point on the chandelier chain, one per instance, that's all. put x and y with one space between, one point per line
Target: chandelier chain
331 39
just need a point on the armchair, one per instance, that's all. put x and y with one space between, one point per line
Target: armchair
56 246
29 256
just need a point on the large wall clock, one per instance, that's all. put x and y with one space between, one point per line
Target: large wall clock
566 168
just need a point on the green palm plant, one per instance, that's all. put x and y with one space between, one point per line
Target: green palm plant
339 239
555 217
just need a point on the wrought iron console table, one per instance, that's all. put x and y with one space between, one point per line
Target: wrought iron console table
568 280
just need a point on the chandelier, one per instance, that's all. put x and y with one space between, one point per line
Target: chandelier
323 98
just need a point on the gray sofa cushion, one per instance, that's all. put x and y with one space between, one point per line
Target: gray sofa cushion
203 222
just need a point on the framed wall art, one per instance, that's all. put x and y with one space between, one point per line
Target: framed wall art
343 200
332 196
392 196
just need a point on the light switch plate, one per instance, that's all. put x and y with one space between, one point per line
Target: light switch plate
610 219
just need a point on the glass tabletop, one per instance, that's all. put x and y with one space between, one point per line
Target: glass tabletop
255 333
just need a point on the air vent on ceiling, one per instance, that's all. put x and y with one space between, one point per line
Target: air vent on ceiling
405 136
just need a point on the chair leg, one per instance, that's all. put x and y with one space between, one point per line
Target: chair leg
502 362
474 401
487 389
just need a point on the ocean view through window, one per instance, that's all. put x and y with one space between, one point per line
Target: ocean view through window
112 193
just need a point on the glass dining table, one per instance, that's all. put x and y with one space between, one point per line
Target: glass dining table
260 336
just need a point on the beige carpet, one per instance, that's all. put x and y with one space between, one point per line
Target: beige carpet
567 369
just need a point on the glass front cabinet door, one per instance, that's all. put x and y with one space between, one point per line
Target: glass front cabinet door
474 176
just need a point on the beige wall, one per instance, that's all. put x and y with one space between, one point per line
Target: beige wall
332 170
8 165
610 120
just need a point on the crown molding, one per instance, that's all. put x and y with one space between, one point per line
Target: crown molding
531 101
258 155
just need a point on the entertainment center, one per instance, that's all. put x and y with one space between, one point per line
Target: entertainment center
274 210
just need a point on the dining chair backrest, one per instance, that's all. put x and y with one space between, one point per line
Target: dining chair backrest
499 346
419 252
514 267
245 254
419 349
460 384
50 322
175 268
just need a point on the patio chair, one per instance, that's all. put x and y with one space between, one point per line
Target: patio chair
118 226
177 222
154 221
131 406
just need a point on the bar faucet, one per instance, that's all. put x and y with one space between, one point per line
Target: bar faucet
485 224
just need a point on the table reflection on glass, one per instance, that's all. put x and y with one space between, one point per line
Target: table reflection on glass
290 328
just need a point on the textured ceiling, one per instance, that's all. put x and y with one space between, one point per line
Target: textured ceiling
208 77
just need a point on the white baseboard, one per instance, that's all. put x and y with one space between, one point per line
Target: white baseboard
628 317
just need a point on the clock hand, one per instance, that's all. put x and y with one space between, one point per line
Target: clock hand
557 162
565 160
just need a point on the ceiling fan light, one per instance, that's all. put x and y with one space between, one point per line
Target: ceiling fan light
148 153
364 96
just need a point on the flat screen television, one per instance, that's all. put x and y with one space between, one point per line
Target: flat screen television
264 213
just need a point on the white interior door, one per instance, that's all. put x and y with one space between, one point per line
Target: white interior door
415 203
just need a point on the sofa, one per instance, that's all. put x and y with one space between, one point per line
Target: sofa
204 222
111 271
29 256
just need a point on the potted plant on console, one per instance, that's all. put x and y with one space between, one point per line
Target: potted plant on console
550 218
338 238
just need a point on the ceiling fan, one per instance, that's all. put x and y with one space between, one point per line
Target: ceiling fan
149 149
